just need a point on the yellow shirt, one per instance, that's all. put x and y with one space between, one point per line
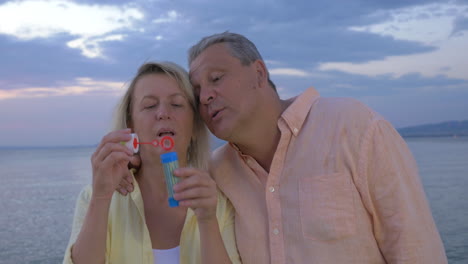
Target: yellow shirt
128 239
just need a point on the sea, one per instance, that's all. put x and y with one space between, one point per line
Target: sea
39 187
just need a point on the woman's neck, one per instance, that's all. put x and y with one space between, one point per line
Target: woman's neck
151 181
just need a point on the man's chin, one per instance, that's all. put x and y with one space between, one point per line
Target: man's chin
222 133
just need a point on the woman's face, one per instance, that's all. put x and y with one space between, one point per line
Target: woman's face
160 108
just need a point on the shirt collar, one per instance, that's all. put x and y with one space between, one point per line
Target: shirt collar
295 114
297 111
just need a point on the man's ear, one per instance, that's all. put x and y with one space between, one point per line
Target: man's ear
262 73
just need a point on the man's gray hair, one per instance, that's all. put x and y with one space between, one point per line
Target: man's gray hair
239 46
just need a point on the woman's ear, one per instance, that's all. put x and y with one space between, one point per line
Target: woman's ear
130 125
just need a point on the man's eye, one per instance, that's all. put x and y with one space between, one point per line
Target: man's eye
177 105
217 78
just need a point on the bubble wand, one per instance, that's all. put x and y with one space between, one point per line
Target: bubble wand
169 160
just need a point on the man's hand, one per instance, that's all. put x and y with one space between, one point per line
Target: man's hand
126 184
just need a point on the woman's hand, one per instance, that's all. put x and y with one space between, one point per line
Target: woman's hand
198 191
110 163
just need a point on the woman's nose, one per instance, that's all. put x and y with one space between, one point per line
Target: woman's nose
162 113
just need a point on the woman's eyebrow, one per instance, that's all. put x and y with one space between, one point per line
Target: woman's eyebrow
149 97
178 94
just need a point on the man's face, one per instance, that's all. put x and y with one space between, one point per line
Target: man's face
226 91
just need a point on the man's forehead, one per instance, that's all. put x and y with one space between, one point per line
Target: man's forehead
211 57
202 65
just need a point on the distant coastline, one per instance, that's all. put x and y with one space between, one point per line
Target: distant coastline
435 136
453 129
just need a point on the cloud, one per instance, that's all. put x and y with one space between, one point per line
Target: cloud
171 16
82 86
447 61
91 24
90 47
288 72
431 24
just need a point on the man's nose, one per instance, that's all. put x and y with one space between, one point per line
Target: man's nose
207 95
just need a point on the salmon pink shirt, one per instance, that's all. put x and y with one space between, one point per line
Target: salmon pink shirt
343 187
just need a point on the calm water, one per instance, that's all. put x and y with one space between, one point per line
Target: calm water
39 187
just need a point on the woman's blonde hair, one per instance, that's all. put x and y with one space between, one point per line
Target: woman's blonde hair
198 150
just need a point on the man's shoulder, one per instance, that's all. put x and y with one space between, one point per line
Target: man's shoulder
344 107
224 161
222 154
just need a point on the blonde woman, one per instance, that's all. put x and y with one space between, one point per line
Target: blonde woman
141 227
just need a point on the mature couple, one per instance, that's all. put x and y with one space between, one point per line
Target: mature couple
303 180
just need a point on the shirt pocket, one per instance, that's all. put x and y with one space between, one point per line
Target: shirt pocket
327 207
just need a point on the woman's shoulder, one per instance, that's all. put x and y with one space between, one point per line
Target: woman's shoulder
224 209
85 194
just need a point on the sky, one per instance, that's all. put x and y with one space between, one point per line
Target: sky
64 64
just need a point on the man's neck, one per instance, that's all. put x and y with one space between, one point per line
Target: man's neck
261 143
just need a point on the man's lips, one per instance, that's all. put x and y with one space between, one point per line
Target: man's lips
215 113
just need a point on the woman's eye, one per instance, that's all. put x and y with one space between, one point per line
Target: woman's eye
177 105
150 106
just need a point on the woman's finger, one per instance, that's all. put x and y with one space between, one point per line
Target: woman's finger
109 148
117 136
199 203
120 159
135 162
188 171
195 180
195 193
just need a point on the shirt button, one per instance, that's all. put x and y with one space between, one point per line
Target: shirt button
272 189
275 231
295 130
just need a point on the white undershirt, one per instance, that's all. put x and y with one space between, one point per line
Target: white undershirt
166 256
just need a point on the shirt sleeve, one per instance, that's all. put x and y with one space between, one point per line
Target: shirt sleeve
226 218
81 208
394 196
